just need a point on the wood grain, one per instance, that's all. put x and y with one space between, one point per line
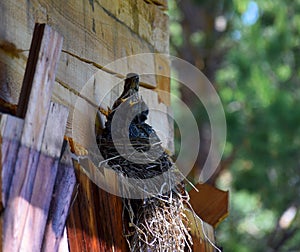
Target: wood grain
42 64
143 18
210 203
95 222
10 135
42 190
60 203
94 34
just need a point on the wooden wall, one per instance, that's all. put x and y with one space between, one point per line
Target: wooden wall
96 33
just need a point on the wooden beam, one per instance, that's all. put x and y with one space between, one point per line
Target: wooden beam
104 33
40 85
33 135
95 222
61 201
10 135
44 179
30 69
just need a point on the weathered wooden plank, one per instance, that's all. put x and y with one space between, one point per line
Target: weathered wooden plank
202 233
8 108
82 231
36 217
12 67
144 19
43 59
61 201
10 135
82 56
75 228
163 78
100 37
88 208
19 198
38 83
96 219
109 216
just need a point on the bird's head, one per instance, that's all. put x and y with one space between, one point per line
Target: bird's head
132 82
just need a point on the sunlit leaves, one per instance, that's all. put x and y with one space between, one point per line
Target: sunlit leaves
261 74
283 72
197 38
240 5
176 31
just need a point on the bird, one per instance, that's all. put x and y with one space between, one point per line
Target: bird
131 87
141 135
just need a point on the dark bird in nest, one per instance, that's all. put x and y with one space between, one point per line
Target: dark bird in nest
141 135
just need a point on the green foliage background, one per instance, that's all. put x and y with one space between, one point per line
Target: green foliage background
257 76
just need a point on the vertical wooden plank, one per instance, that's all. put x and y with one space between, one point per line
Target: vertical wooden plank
163 74
37 89
110 222
30 69
95 222
75 229
87 209
10 135
37 214
62 197
38 102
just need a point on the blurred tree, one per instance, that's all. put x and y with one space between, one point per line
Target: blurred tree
250 51
199 35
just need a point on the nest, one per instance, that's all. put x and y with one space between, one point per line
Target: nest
157 222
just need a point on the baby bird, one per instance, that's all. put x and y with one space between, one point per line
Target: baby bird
141 135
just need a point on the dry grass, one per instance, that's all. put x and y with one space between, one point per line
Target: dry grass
159 224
